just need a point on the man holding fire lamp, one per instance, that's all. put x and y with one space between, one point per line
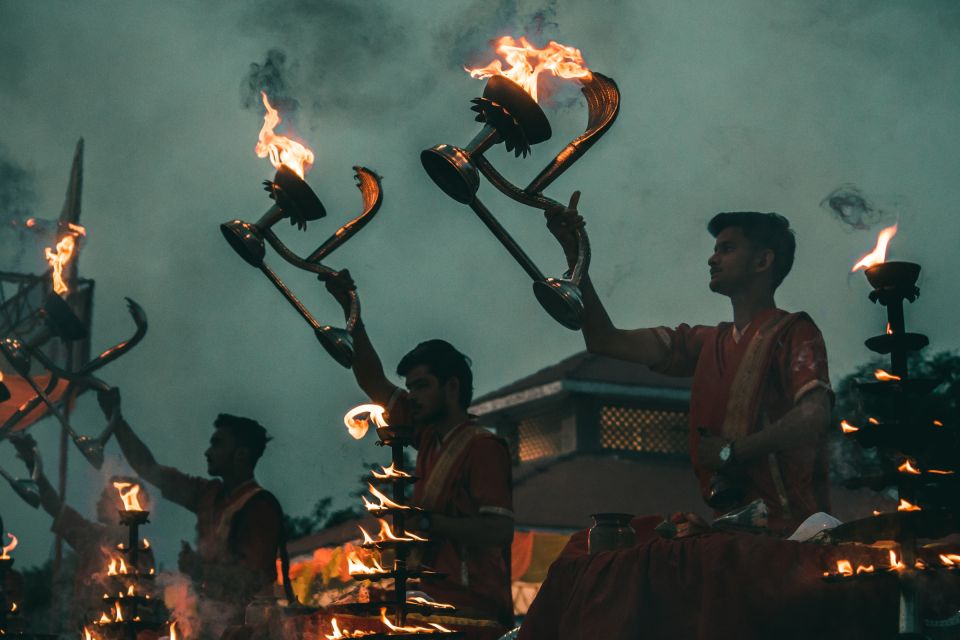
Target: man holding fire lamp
761 400
465 485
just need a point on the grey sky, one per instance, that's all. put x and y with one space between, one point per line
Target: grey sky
746 104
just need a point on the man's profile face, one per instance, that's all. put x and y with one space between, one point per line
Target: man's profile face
221 452
732 262
426 394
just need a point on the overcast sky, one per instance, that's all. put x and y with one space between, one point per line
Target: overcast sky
748 104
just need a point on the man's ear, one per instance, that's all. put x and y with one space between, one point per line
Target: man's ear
451 388
763 260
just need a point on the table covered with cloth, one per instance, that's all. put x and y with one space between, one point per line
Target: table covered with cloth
718 586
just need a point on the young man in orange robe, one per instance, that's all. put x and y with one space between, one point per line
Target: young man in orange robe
465 485
239 523
761 400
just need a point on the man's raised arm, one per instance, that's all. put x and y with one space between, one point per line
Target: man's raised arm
174 484
599 333
367 368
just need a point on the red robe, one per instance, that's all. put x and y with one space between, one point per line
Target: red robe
741 385
466 474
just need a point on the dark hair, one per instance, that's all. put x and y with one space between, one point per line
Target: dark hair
764 231
248 433
443 361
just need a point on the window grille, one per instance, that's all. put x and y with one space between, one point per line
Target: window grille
646 430
540 435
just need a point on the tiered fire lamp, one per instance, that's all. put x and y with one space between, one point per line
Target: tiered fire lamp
393 606
128 607
295 200
920 455
510 114
11 622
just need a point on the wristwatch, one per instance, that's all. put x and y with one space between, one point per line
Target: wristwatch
726 453
426 521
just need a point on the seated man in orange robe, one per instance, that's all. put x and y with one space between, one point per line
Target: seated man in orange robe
761 400
465 484
239 523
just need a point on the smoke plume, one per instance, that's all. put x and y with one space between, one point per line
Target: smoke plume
848 205
275 78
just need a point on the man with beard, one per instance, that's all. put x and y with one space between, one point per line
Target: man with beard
760 402
465 485
239 523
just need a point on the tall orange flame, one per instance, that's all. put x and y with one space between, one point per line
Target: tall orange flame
280 149
527 63
10 547
358 419
130 494
59 258
895 563
879 253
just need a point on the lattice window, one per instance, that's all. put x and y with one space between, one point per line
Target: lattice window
540 435
646 430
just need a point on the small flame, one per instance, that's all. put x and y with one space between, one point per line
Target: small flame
10 547
844 567
847 427
433 628
906 506
941 472
879 253
130 591
385 502
86 634
865 569
337 633
884 376
356 566
527 63
390 472
104 619
59 258
895 563
937 423
146 543
113 569
129 493
429 603
889 330
950 559
359 418
386 533
280 149
118 614
173 630
873 421
13 607
906 467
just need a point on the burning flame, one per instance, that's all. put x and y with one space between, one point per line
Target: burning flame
883 376
104 619
61 257
86 634
844 567
130 591
337 633
847 427
879 253
895 562
356 566
906 506
937 423
13 607
386 533
129 493
118 614
429 603
390 472
873 421
941 472
906 467
889 330
113 569
146 543
433 628
173 630
358 419
950 559
10 547
385 502
527 63
280 149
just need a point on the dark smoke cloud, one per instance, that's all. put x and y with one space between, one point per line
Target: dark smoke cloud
17 202
850 206
275 78
350 53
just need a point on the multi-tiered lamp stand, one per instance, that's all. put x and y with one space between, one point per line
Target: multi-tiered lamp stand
396 605
10 619
128 607
919 456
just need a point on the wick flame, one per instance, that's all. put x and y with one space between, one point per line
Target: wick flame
13 607
113 570
386 533
356 567
104 619
950 559
146 543
937 423
358 419
130 591
173 630
844 567
873 421
884 376
941 472
10 547
847 427
906 506
337 633
118 614
129 493
527 63
429 603
86 634
280 149
879 253
390 472
385 502
433 628
895 563
906 467
889 330
61 257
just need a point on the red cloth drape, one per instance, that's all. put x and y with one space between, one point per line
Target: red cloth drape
717 586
